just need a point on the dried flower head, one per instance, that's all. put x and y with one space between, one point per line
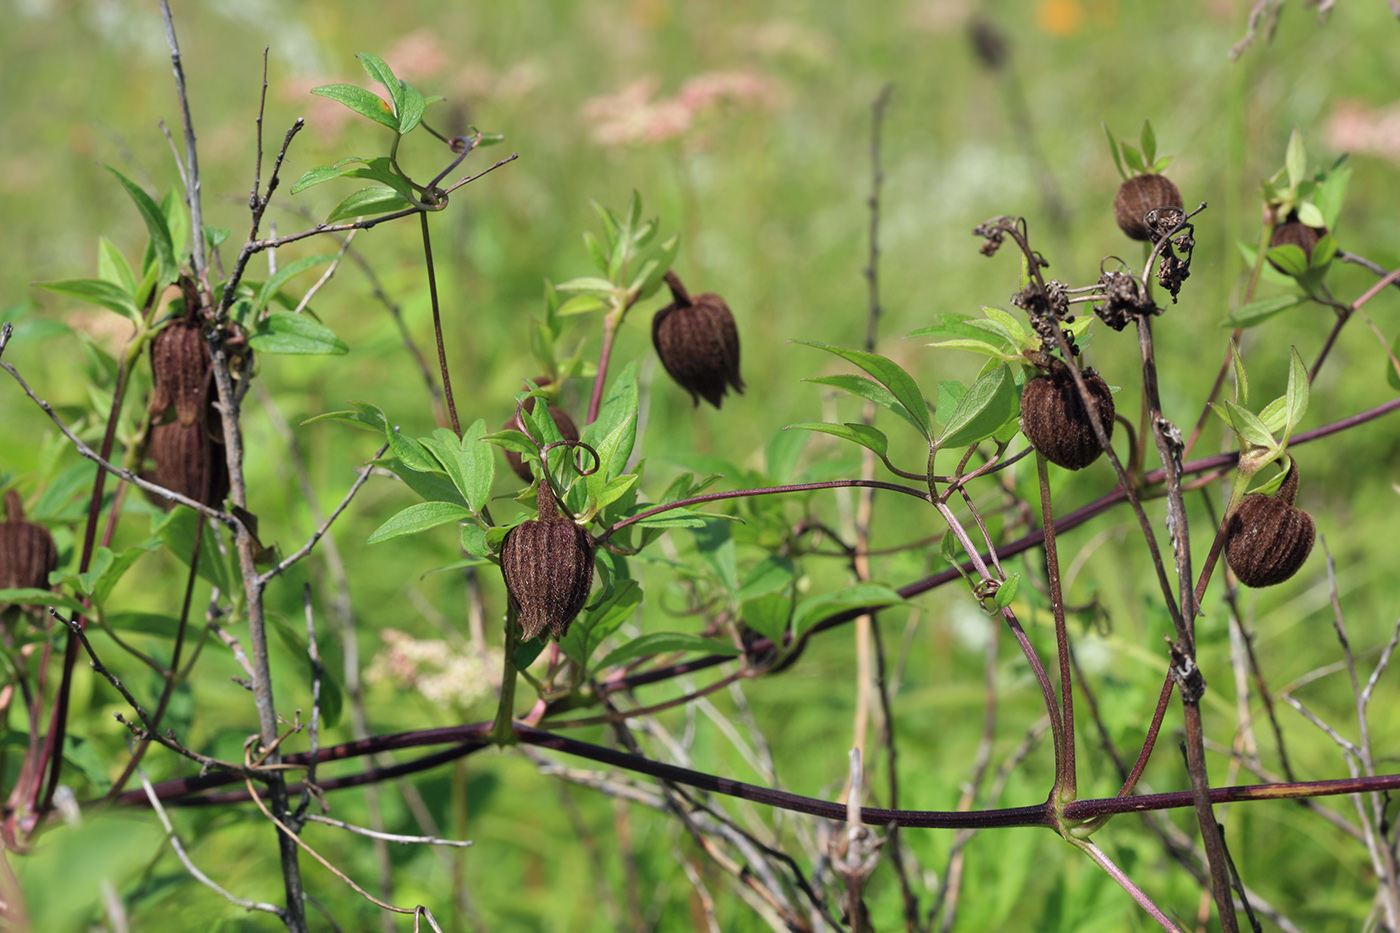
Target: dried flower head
27 550
1297 233
188 461
1137 197
180 366
1267 540
698 343
1055 421
1126 300
567 429
548 569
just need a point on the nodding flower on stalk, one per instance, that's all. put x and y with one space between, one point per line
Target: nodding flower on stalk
698 343
547 564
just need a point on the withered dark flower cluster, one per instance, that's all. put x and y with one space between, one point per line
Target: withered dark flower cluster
547 564
567 429
27 550
1267 539
1056 421
698 343
185 440
1124 300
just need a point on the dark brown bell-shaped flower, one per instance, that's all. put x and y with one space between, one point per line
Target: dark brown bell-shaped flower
1055 421
27 551
1137 196
180 366
698 343
188 461
548 568
1299 234
567 429
1267 539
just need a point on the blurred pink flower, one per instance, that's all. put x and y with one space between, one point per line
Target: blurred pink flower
631 115
1354 127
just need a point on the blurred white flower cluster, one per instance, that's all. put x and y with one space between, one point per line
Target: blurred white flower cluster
442 674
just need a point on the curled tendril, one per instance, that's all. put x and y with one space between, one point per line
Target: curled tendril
578 467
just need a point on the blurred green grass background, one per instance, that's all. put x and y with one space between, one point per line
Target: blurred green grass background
746 129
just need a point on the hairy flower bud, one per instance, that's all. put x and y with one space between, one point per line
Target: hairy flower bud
548 568
698 343
27 551
188 461
567 429
1267 539
1055 421
1137 196
180 367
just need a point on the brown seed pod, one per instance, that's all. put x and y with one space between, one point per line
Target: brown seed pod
180 366
27 551
1055 421
1267 539
1137 196
567 429
698 343
548 568
188 461
1299 234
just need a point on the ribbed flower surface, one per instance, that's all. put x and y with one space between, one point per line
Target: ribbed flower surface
698 344
180 367
547 564
1268 539
1137 196
1057 424
27 551
189 462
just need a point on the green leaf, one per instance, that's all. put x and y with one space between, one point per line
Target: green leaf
431 487
600 621
1149 143
619 407
782 453
99 292
666 642
1249 426
1331 194
1241 377
1296 159
768 615
868 389
775 572
1007 591
177 528
284 275
1324 251
474 540
892 376
614 489
1113 150
112 266
679 518
861 434
1310 214
1297 392
1261 309
467 462
156 226
411 108
860 596
595 251
613 452
949 394
412 453
373 200
948 325
976 346
664 258
990 403
1133 159
40 597
419 517
1290 258
1274 416
296 334
587 283
367 416
581 304
363 102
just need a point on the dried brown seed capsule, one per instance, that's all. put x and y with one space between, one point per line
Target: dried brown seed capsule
1057 424
189 462
1137 196
1299 234
548 568
567 429
1267 539
698 343
180 365
27 551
